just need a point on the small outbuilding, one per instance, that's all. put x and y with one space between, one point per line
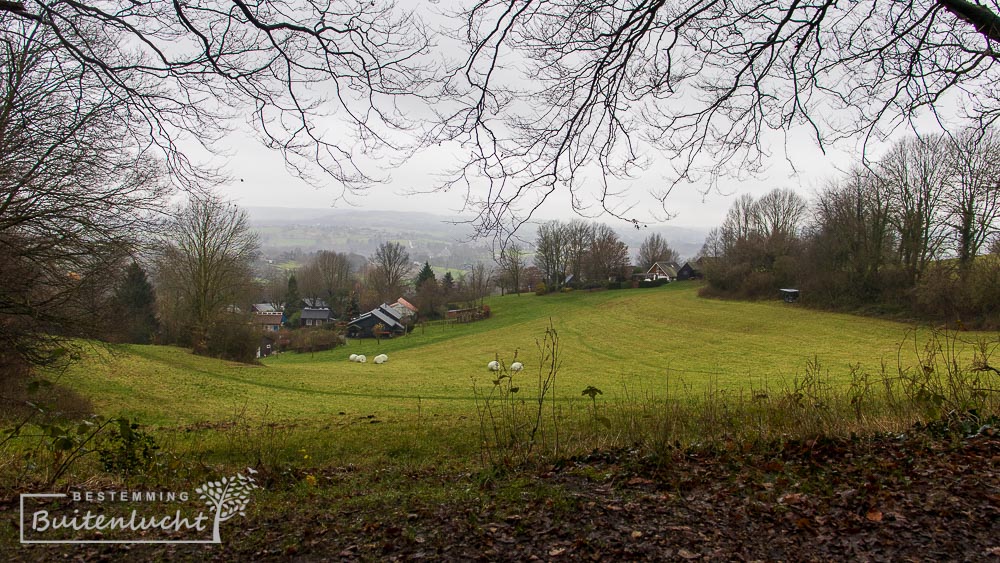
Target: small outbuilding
692 270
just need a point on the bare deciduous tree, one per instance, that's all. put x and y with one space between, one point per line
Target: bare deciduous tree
916 173
181 71
852 232
551 254
603 86
780 212
204 266
655 249
972 198
512 265
328 275
607 259
390 266
579 236
478 283
74 199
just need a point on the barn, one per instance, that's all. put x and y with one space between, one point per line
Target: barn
364 325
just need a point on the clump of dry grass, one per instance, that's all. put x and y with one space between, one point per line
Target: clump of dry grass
941 385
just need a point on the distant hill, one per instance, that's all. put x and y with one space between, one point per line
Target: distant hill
438 239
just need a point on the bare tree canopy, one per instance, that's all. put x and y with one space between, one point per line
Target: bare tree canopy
182 71
74 200
972 197
390 266
204 267
607 259
512 265
545 96
565 95
328 275
655 249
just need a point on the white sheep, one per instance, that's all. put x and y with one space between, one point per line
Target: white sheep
493 366
381 359
362 359
516 366
353 358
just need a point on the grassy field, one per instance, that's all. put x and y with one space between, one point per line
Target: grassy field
636 341
405 447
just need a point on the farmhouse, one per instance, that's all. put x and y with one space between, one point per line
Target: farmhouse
385 315
315 317
315 312
267 322
404 308
662 270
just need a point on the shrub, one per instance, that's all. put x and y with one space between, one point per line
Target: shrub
566 289
127 450
653 283
970 298
614 285
233 338
314 339
541 289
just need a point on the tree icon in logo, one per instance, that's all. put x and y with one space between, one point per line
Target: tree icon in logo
229 497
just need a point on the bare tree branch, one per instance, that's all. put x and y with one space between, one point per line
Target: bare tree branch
580 97
182 72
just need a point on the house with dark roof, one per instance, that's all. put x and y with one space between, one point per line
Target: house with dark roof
268 345
315 312
315 317
365 325
692 270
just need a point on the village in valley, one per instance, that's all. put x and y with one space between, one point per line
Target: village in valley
288 268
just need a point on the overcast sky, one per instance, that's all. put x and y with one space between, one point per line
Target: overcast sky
260 179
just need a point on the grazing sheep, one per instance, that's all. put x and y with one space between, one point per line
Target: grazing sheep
381 359
516 366
353 358
493 366
362 359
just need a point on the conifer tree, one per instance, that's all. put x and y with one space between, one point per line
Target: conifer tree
135 300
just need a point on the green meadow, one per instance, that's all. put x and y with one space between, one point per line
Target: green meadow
642 342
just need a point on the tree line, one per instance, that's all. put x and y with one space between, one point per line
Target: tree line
909 232
578 254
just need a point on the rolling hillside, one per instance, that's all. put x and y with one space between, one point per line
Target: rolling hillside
643 342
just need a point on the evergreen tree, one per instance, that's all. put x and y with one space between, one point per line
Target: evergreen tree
447 283
293 301
425 274
355 308
135 300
